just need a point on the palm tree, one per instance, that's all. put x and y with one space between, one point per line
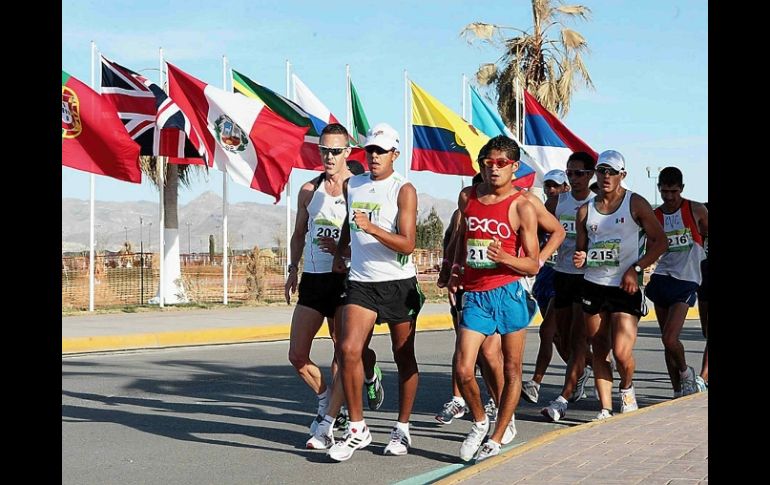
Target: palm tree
175 175
548 68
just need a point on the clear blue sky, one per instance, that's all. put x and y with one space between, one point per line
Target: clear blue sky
648 61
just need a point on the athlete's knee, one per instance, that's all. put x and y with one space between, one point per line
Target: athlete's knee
464 374
671 341
298 359
348 353
512 371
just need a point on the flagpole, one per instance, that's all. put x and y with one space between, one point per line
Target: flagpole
287 192
463 89
92 206
523 116
348 101
406 125
224 203
160 167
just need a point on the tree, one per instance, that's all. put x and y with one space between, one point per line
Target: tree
546 67
430 232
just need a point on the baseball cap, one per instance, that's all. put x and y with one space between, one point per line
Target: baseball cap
557 176
612 159
382 135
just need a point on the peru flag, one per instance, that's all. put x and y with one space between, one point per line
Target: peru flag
248 141
547 139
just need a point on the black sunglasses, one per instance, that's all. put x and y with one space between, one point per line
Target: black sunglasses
577 173
607 171
335 151
378 150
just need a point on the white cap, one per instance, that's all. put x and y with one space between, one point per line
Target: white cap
612 159
557 176
382 135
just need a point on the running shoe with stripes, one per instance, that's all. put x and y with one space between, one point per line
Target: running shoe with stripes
354 440
490 408
472 442
530 391
341 422
374 391
628 400
323 437
555 410
603 414
580 387
488 450
510 432
451 410
399 443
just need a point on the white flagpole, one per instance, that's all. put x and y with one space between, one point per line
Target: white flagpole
405 150
287 191
349 103
161 168
523 115
464 108
92 209
224 203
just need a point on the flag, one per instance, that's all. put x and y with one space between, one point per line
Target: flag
487 119
446 143
547 139
92 137
244 138
360 123
150 116
321 116
309 157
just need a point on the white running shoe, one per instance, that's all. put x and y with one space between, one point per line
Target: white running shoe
472 442
322 439
489 450
451 410
530 391
603 414
555 410
343 450
490 408
580 387
688 381
701 384
628 400
399 443
510 432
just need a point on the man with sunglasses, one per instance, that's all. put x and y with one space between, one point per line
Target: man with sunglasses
674 283
567 312
382 286
610 245
496 223
321 212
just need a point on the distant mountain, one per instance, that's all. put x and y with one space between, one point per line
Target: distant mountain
248 223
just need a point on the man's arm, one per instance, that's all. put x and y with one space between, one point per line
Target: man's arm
446 263
528 264
701 214
297 243
581 236
548 224
455 278
641 211
343 244
403 241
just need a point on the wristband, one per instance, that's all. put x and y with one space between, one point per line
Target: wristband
456 266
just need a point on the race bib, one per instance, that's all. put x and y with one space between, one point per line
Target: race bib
679 240
604 253
325 228
568 223
476 254
371 209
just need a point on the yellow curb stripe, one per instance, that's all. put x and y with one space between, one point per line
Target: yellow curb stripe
549 437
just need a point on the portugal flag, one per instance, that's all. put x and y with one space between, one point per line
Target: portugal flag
93 138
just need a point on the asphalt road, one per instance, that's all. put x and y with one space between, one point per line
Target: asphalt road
238 413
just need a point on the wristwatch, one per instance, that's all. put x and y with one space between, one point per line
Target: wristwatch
292 267
638 268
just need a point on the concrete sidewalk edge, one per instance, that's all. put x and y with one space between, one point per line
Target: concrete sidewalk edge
549 437
262 333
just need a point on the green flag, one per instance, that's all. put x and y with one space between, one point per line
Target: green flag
360 123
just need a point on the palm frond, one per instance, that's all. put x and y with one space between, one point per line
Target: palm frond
487 74
478 31
573 40
574 11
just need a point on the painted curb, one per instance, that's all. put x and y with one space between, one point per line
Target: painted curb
549 437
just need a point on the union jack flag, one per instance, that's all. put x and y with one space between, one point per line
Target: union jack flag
151 118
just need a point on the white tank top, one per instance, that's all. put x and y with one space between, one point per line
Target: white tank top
566 211
615 242
684 254
326 214
370 260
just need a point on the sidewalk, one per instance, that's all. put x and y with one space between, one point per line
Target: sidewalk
666 443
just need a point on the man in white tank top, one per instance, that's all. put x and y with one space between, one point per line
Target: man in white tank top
674 283
609 244
382 286
321 212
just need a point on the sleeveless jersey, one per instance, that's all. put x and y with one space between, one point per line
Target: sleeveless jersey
483 224
566 211
370 260
615 242
326 214
685 244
